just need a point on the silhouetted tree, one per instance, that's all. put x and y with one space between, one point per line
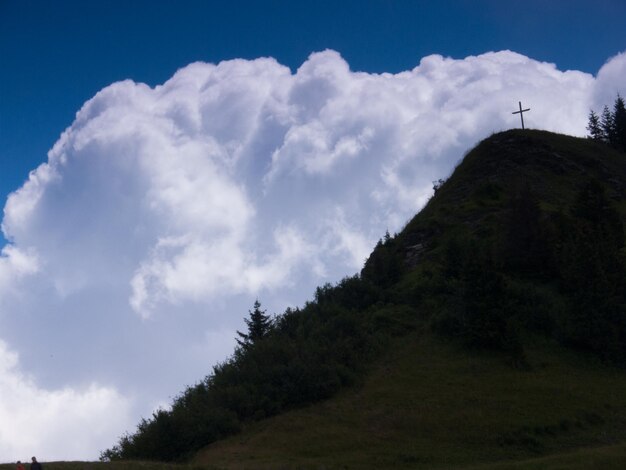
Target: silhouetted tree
594 127
608 127
259 325
619 123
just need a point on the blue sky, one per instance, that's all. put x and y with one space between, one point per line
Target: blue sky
56 55
219 152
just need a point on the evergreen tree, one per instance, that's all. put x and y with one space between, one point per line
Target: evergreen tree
594 127
619 124
387 238
608 126
259 325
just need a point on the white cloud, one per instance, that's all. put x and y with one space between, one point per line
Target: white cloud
15 263
342 240
182 203
188 179
53 424
610 82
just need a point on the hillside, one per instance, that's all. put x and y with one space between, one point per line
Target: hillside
491 329
429 404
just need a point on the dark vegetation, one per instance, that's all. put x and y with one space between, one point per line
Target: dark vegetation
430 403
610 126
259 325
305 355
525 240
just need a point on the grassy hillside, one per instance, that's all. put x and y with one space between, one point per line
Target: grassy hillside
127 465
491 329
434 403
555 166
429 404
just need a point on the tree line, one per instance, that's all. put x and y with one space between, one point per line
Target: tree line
610 126
289 360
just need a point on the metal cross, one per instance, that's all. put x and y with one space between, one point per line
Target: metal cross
521 112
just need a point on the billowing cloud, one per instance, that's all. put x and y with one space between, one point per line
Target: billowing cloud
183 183
15 264
54 423
610 81
162 212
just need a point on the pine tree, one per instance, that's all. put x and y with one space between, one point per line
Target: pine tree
619 124
594 127
608 126
259 325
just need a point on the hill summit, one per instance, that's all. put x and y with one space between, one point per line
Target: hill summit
452 344
528 232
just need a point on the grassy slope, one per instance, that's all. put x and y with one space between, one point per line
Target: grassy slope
554 166
600 458
105 466
429 405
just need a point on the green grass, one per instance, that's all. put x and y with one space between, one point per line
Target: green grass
553 165
431 405
107 466
599 458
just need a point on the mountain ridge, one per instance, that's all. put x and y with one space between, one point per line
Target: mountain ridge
518 254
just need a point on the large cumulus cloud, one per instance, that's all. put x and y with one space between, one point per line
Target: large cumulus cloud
172 191
54 423
244 179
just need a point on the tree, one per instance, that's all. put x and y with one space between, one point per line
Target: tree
608 126
619 124
594 127
259 325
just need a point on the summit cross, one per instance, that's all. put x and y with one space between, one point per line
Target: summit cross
521 112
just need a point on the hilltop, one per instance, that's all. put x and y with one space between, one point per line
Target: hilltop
491 328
